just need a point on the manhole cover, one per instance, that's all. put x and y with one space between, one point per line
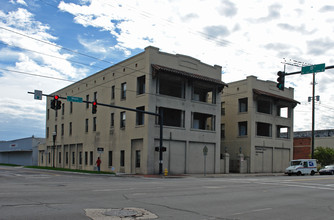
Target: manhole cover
119 214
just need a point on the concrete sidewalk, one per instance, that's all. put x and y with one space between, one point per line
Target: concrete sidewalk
221 175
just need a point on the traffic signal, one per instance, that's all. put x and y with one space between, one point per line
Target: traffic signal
94 107
280 80
58 102
163 149
55 103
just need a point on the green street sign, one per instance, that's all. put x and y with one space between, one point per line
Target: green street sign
313 69
74 99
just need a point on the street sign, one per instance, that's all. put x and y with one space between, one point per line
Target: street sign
205 151
74 99
313 69
38 94
100 149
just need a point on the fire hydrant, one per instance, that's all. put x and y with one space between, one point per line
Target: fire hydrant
165 172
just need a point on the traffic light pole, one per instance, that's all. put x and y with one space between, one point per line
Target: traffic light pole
313 110
313 105
160 115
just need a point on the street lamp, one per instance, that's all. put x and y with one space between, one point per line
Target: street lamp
54 135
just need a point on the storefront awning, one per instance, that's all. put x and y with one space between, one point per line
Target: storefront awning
274 96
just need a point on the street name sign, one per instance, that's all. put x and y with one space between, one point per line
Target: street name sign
313 69
74 99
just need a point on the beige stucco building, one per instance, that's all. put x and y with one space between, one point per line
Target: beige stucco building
257 124
187 90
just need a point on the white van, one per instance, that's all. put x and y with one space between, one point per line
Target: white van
302 167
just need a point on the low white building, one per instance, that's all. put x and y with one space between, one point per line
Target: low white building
21 151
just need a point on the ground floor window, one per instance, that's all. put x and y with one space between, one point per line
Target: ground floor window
122 159
110 158
91 158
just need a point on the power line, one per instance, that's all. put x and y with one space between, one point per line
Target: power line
34 51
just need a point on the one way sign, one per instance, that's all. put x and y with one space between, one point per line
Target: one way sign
38 94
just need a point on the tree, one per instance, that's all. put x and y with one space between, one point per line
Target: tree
324 155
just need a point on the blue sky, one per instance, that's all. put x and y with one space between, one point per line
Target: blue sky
69 40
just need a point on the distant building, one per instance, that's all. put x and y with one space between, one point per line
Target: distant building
21 151
257 123
303 140
186 90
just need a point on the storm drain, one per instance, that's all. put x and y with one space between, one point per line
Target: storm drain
119 214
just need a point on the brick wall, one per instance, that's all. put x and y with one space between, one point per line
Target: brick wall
301 148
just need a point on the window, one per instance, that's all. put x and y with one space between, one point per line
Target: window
71 107
66 158
91 158
63 109
140 116
110 158
204 93
223 108
73 158
283 131
86 158
94 124
49 158
171 86
56 129
137 158
263 129
123 118
242 128
62 129
80 158
59 157
87 99
123 91
122 162
222 130
48 114
112 92
264 106
243 105
70 129
47 132
86 125
203 121
172 117
112 120
140 85
95 96
56 114
283 111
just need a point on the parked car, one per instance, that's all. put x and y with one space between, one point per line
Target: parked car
329 169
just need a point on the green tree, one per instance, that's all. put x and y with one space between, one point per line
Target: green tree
324 155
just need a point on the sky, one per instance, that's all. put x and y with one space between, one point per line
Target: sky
49 44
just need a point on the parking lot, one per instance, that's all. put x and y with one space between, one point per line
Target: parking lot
39 194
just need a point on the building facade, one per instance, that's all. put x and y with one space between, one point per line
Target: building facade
257 125
21 151
185 90
303 141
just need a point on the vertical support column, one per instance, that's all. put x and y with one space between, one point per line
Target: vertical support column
313 109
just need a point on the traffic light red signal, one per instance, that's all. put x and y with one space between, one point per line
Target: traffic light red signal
56 103
280 80
94 107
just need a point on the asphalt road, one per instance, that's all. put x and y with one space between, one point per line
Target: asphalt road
38 194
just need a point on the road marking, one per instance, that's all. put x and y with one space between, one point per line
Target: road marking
252 211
